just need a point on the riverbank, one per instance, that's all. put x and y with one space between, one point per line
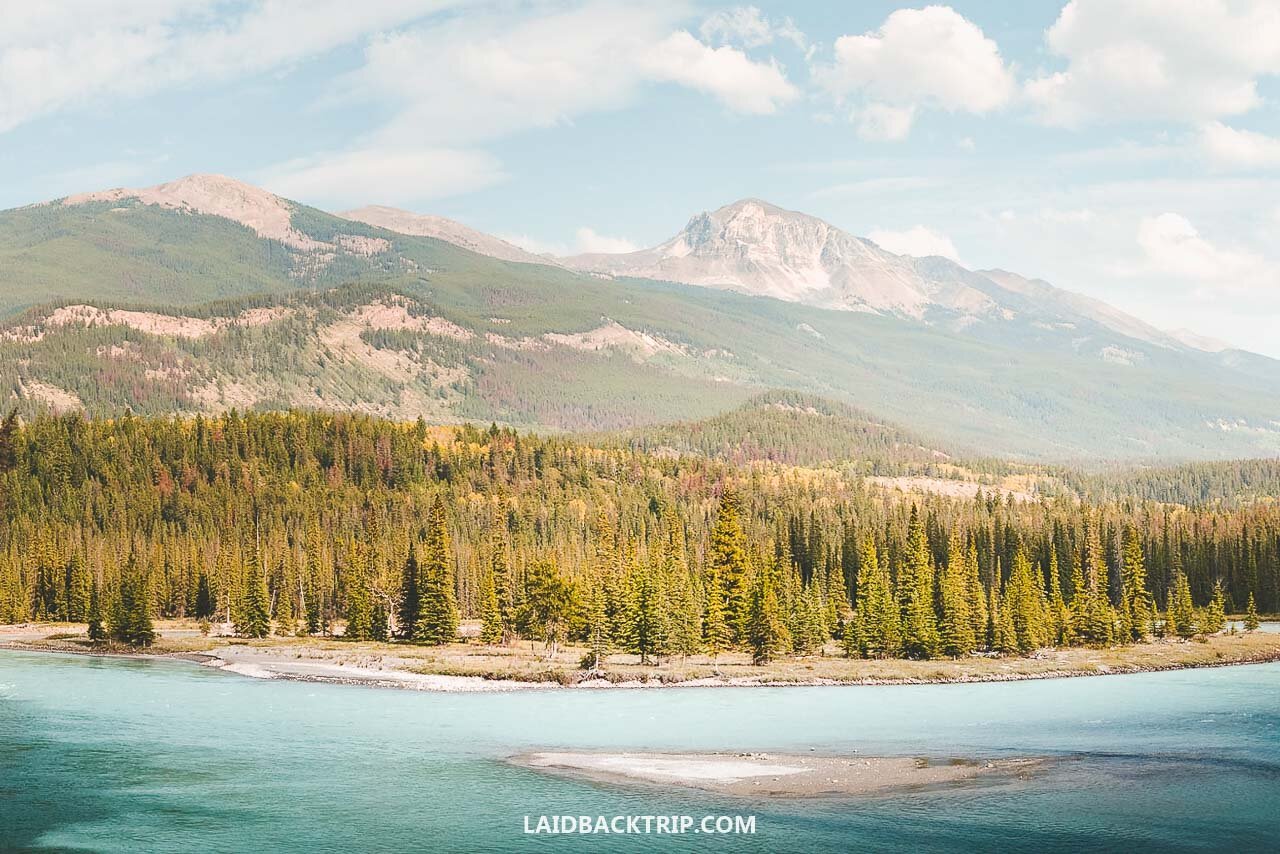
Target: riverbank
778 775
524 665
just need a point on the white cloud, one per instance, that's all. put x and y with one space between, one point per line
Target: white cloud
487 74
1230 149
1172 247
591 241
883 123
1185 60
727 73
363 176
62 53
932 57
747 27
918 241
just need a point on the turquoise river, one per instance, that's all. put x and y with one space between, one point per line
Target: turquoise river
109 754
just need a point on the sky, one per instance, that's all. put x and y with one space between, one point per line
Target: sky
1125 149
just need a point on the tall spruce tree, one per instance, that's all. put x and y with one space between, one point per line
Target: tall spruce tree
915 594
956 626
96 630
410 600
767 636
492 630
1137 599
728 561
438 618
254 617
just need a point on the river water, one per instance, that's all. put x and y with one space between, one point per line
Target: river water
109 754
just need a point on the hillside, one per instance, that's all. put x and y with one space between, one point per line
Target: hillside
161 307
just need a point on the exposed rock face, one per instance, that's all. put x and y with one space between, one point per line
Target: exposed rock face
758 248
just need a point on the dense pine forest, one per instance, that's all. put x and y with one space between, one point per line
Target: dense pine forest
307 523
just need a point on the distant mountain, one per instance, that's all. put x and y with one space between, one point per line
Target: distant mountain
425 225
757 248
206 294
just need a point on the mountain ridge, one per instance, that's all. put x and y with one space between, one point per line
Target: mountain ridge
117 304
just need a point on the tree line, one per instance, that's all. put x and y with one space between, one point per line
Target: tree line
314 523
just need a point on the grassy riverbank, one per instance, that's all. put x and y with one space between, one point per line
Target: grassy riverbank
476 666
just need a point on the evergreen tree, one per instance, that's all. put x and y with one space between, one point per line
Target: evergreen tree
1214 619
379 630
645 633
766 635
206 604
875 630
1251 621
1137 600
1098 620
254 618
410 602
96 630
438 617
728 562
131 617
359 614
915 594
715 622
548 605
1180 616
78 586
956 627
492 630
1025 605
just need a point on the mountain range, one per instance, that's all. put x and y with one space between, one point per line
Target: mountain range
206 293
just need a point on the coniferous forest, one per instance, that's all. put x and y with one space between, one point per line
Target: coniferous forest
306 523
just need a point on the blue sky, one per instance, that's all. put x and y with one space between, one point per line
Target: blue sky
1127 150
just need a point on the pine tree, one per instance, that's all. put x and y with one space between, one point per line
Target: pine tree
1180 616
956 627
977 595
96 630
1006 634
131 617
766 635
1251 621
492 630
438 618
254 618
206 603
78 585
1098 620
1057 616
728 560
1214 619
715 623
876 629
379 630
596 618
915 594
547 606
1024 602
1137 600
359 614
645 633
410 601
